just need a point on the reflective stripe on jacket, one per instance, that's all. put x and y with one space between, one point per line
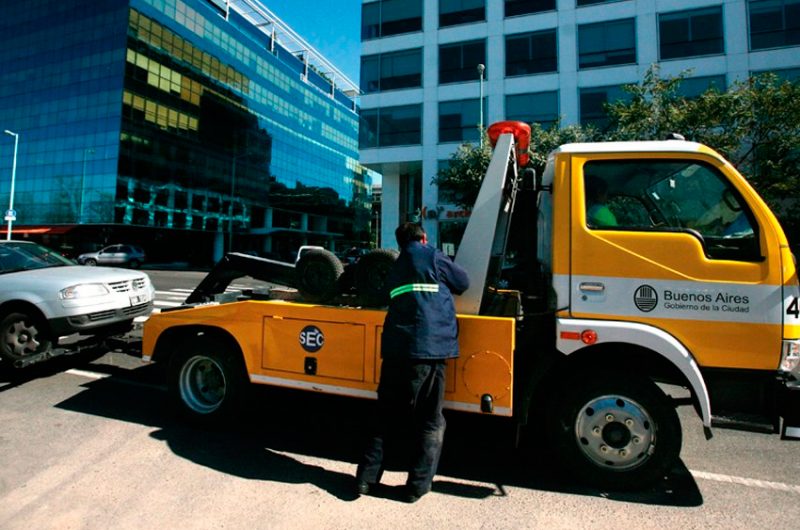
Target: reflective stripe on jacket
421 321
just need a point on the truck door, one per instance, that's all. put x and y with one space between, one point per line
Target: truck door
680 242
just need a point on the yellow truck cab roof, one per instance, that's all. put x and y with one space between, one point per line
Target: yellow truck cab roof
665 146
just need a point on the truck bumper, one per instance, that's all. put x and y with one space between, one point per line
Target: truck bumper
790 410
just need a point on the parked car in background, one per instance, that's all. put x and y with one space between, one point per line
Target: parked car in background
49 306
120 255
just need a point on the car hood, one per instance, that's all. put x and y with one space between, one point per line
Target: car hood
71 275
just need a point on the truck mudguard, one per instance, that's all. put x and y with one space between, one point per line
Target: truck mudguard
570 331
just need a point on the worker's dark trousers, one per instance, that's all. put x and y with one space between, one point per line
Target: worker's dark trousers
410 396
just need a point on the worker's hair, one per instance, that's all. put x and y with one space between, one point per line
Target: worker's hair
408 232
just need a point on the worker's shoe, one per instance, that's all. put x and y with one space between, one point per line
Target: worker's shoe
362 487
411 496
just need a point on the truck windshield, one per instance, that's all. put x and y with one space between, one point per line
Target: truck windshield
19 256
671 195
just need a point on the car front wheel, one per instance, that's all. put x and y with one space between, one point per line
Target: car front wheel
22 335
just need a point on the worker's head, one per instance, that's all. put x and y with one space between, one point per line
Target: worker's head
408 232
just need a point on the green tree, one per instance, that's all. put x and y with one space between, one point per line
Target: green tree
461 179
755 124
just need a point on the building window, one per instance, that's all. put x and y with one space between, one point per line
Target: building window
774 23
593 101
607 43
580 3
782 74
458 120
534 107
454 12
690 33
388 126
525 7
531 53
391 71
459 62
390 17
696 86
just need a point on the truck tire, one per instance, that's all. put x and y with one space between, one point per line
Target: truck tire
22 335
317 275
615 432
371 271
207 381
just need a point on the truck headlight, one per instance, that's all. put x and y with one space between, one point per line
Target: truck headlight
83 290
790 357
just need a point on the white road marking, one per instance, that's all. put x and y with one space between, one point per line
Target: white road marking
165 303
744 481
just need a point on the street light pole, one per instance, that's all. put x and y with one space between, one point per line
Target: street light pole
13 180
481 69
87 151
230 204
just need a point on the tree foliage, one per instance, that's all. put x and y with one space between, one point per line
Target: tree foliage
461 179
755 124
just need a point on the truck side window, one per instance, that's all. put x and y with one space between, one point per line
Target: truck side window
671 195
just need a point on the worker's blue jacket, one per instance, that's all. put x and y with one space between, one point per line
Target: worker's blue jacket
421 322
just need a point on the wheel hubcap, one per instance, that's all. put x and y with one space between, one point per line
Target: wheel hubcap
615 432
202 384
21 339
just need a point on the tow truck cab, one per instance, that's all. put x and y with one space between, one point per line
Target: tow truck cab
664 248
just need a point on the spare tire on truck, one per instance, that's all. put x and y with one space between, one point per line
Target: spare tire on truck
371 272
317 275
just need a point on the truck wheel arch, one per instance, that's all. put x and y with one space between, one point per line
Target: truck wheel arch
638 339
172 339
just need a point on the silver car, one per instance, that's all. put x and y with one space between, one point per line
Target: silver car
120 255
50 306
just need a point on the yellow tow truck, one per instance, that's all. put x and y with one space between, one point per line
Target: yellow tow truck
624 266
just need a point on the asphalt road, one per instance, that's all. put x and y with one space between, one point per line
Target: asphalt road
88 442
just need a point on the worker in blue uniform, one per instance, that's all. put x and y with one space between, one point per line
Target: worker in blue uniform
420 333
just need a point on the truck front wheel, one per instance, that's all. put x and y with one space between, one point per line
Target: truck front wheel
615 432
207 381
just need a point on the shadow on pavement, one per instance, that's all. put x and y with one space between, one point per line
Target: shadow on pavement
477 449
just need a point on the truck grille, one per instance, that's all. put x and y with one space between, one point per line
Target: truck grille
141 309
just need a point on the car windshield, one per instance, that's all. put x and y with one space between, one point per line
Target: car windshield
20 256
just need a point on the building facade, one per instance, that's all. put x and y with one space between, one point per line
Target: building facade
189 127
543 60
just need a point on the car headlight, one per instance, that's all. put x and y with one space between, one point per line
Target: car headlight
83 290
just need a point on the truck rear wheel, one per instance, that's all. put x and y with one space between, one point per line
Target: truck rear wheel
207 381
615 432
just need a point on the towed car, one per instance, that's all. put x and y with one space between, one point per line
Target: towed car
50 306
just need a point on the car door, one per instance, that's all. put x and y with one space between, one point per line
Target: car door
110 255
682 243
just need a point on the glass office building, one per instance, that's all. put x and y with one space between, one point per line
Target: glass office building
179 125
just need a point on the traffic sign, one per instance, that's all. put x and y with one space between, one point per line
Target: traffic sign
11 215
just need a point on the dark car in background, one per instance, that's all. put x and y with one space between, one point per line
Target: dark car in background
117 255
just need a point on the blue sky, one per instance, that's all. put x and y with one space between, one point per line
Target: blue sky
333 27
